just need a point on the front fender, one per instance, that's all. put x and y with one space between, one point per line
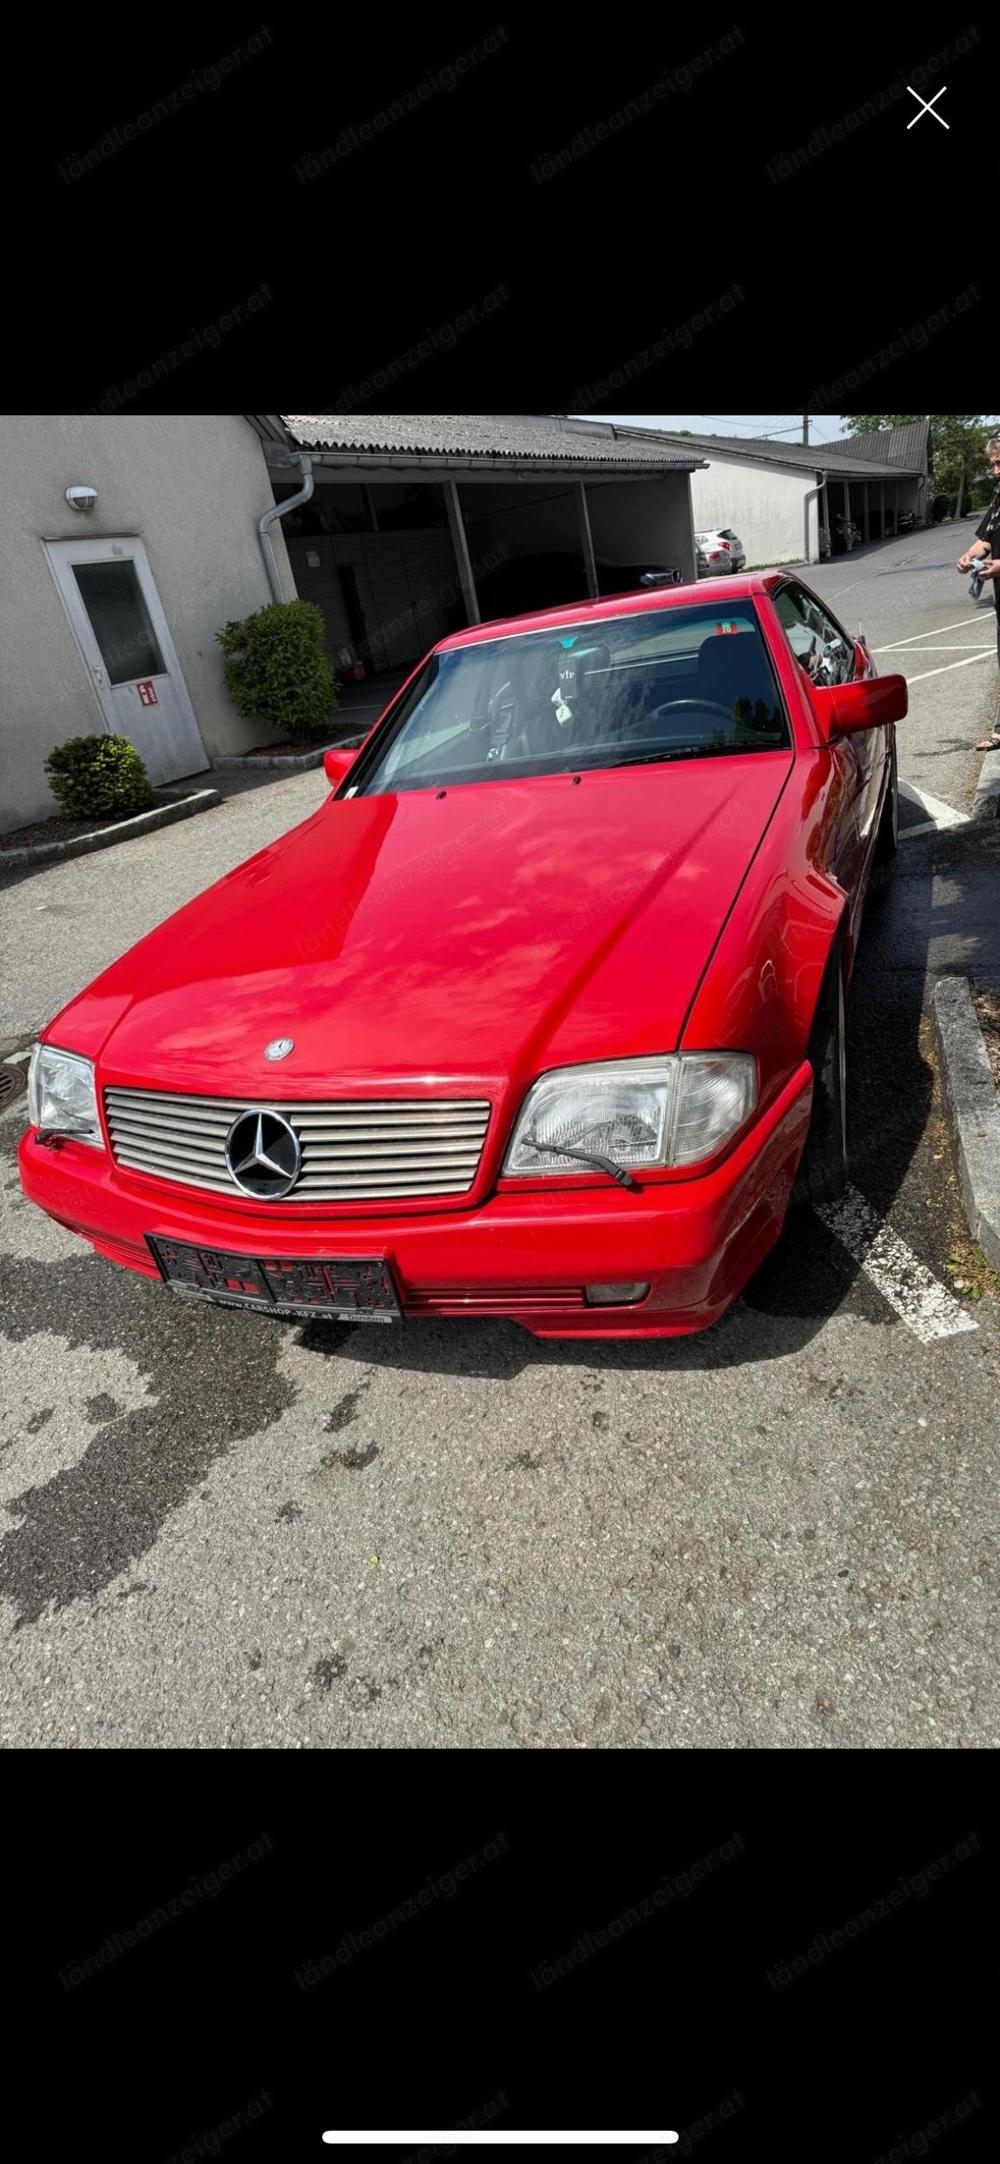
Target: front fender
760 989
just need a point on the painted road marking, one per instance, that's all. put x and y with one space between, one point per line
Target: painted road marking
940 816
455 2135
933 649
919 1299
961 624
922 678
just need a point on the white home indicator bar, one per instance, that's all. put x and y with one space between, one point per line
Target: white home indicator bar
454 2135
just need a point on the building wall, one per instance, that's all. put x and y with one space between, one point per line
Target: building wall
520 519
631 521
645 520
407 584
763 505
192 487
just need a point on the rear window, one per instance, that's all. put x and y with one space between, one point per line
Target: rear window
669 684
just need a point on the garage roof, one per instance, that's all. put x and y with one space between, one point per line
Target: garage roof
900 451
548 437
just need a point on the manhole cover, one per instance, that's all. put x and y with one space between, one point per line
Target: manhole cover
13 1080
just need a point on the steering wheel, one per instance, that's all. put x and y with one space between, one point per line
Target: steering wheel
703 706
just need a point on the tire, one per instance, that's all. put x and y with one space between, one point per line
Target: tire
887 841
823 1172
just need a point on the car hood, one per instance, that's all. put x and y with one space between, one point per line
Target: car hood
483 932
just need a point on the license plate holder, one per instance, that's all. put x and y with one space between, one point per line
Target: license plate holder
357 1289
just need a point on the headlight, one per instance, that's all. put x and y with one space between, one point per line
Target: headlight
61 1094
671 1111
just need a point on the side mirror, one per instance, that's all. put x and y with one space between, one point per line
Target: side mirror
872 703
338 762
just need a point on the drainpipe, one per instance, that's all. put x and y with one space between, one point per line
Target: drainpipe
817 492
278 510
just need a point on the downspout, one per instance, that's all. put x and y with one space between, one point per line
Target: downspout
810 493
278 510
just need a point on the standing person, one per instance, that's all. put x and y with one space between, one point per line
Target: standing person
984 552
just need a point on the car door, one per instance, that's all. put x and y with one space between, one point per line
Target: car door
829 656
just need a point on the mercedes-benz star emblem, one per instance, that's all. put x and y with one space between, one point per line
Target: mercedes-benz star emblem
263 1154
279 1048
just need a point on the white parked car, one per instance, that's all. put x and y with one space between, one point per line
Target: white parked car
719 550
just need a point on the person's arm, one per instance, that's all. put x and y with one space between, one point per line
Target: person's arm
979 547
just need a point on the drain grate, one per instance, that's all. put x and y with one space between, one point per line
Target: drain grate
13 1082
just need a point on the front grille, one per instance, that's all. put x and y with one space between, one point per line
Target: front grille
364 1149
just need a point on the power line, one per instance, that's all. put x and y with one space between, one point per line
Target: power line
740 419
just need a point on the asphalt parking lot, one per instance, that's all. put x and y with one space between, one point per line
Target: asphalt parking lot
225 1531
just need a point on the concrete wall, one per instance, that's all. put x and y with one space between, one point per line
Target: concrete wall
633 522
408 588
192 488
521 520
763 505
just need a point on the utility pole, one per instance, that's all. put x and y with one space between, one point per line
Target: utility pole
805 428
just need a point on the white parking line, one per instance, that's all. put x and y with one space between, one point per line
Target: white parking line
939 815
505 2140
931 649
925 673
960 624
919 1299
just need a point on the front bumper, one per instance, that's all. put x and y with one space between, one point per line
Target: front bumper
525 1255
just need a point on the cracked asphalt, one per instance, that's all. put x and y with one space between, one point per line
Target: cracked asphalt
220 1530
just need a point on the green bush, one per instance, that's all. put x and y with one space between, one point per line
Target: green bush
93 775
277 668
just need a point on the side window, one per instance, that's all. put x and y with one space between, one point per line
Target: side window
819 645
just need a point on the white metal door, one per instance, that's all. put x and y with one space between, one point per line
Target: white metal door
108 592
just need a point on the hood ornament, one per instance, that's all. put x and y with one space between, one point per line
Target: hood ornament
279 1048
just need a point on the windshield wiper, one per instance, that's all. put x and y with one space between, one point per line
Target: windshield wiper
677 751
588 1157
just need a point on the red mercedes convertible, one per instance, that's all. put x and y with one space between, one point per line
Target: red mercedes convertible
540 1015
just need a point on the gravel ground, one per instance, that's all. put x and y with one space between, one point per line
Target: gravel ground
988 1010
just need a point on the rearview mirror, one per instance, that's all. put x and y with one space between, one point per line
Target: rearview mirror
871 703
338 761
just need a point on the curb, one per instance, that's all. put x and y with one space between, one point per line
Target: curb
165 815
293 761
973 1109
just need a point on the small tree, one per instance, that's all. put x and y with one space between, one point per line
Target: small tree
95 777
277 668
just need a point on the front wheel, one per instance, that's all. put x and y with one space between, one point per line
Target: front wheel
823 1172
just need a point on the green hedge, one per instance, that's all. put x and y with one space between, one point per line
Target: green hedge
93 775
277 668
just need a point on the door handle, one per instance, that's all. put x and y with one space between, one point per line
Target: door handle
97 672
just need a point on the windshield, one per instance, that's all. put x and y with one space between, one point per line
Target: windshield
675 683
